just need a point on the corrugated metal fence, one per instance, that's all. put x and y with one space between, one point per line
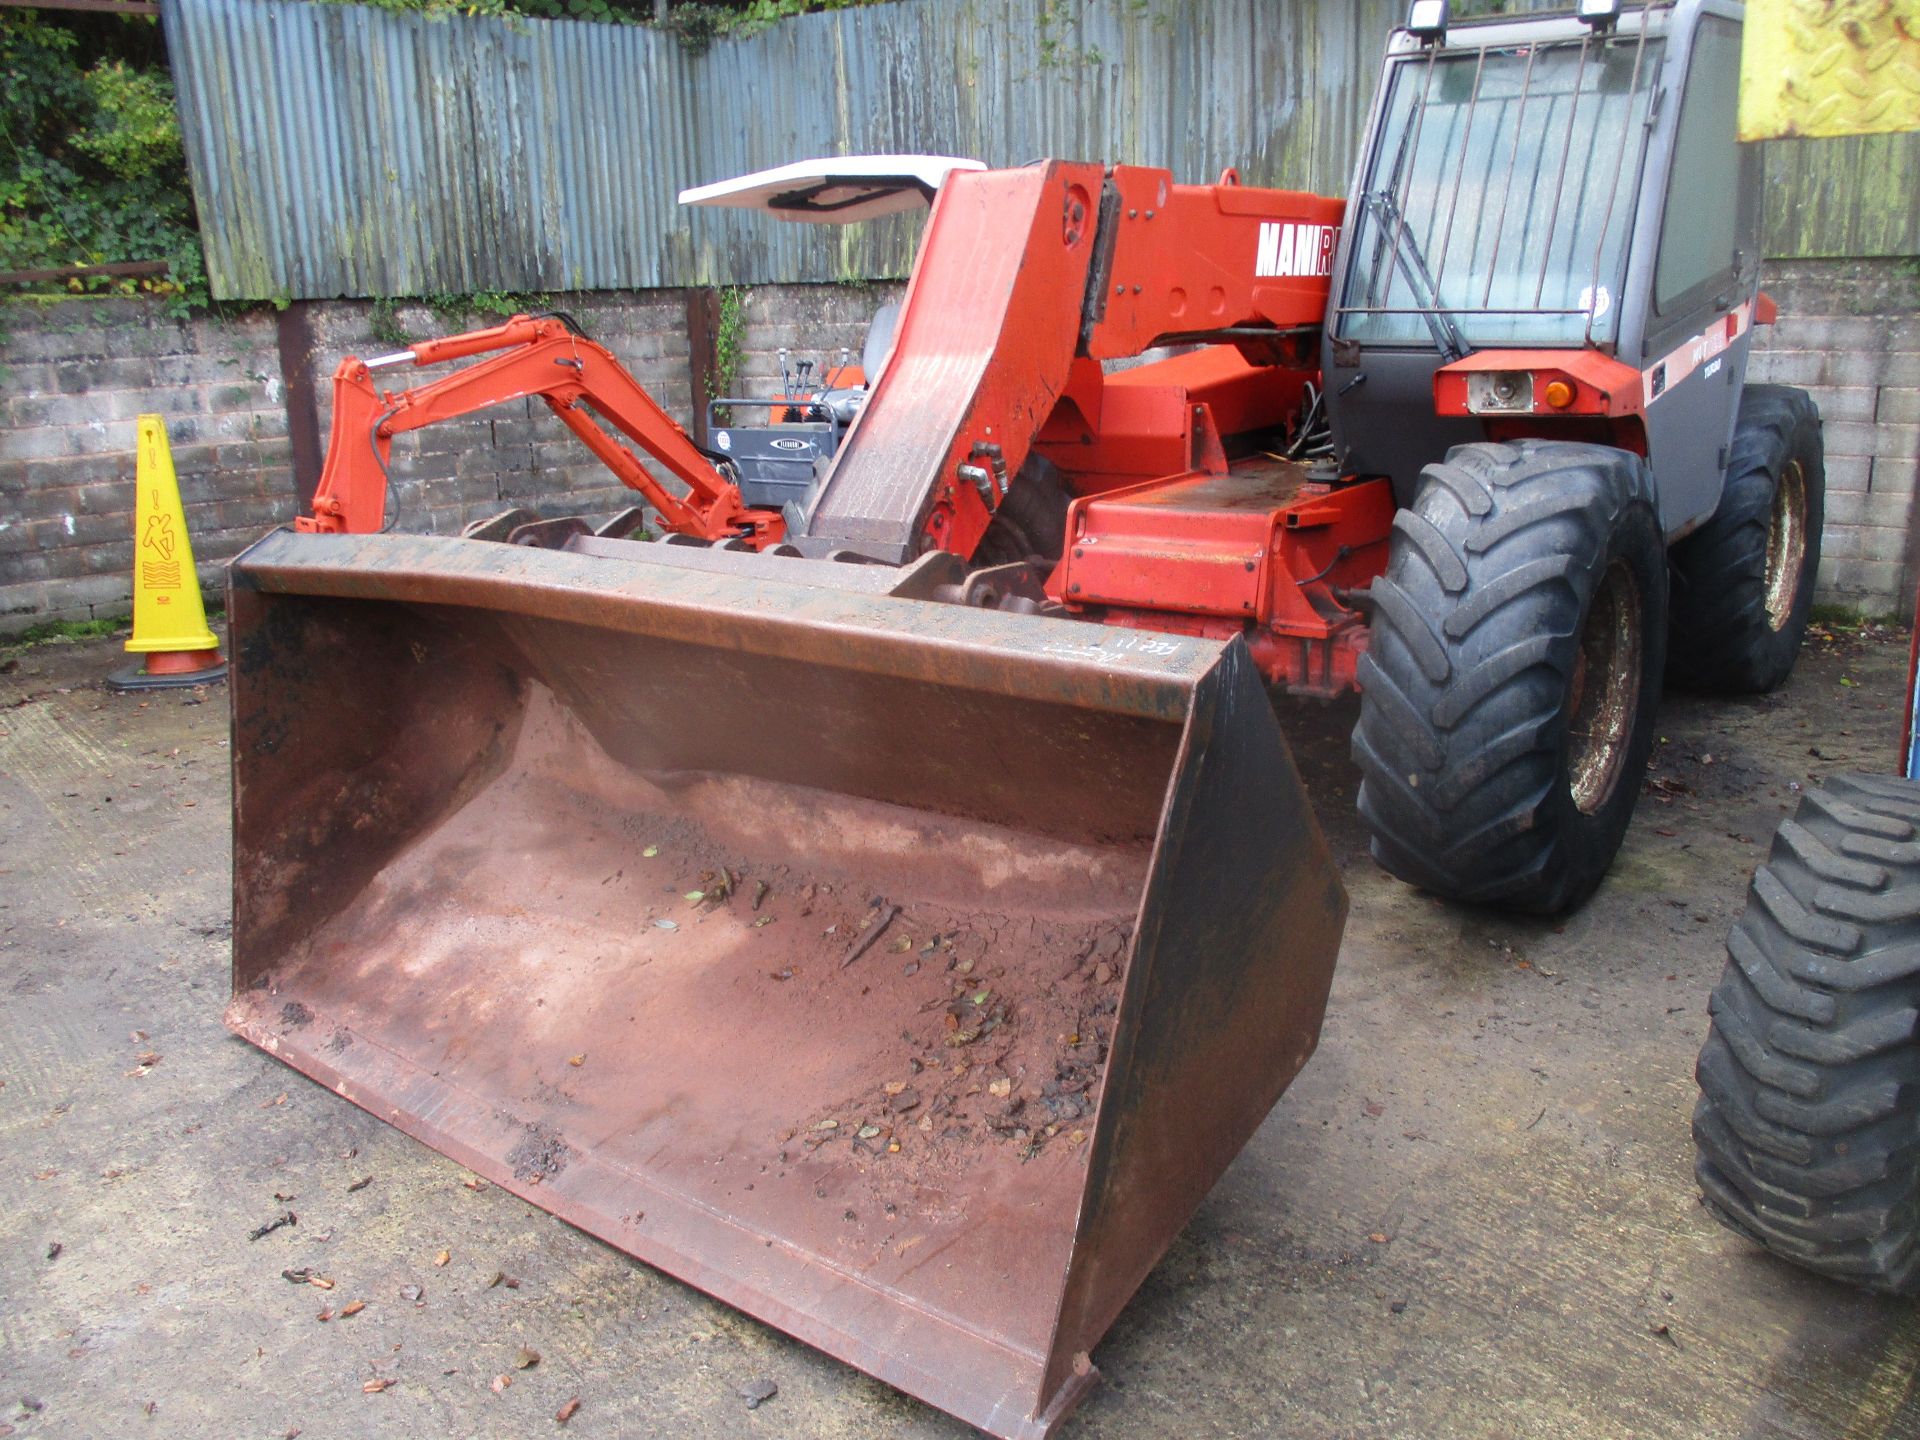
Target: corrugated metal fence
340 150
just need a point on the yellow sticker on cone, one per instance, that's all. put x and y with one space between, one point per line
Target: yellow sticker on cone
167 610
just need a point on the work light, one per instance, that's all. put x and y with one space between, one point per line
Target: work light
1428 19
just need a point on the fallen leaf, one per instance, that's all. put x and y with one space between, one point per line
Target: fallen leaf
758 1392
360 1184
1379 1237
665 925
576 1061
324 1316
352 1308
567 1411
526 1359
320 1282
474 1182
374 1387
650 852
500 1383
867 1132
413 1293
53 1250
442 1258
150 1059
696 896
262 1231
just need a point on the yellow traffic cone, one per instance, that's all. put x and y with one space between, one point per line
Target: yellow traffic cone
169 620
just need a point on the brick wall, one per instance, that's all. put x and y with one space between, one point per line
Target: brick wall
74 376
75 373
1849 332
814 322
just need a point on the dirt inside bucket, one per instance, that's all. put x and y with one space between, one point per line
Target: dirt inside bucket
866 1032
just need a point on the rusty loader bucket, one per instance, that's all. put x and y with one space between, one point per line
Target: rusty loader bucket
900 973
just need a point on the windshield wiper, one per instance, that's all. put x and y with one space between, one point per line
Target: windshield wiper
1412 264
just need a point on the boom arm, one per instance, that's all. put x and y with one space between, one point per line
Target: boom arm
543 357
1026 280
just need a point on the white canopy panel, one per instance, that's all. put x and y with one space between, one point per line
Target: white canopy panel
836 190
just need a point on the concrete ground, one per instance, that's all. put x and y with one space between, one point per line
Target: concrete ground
1473 1215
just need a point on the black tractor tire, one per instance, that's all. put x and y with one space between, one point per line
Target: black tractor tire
1031 521
1808 1124
1513 670
1743 582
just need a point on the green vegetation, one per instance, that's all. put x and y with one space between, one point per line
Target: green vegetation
728 339
1850 618
65 632
698 22
384 324
91 169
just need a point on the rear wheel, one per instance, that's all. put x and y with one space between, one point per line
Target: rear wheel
1509 686
1743 582
1808 1124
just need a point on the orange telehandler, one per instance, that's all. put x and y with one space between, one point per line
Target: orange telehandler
890 912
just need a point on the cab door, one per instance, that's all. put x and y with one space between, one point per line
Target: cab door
1705 271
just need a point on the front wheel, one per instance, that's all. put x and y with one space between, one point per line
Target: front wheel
1513 671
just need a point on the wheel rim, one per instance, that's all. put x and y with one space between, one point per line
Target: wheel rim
1786 544
1605 691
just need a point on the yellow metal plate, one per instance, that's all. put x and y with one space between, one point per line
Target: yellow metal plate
1829 67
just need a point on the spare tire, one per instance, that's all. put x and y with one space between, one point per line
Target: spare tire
1808 1123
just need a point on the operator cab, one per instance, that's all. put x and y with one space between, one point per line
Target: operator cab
777 445
1531 186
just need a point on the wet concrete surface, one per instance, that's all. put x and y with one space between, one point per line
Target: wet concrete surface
1473 1215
